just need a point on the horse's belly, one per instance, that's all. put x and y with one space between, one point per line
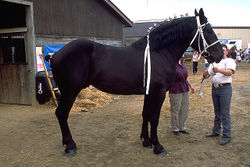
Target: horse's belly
118 76
122 92
115 86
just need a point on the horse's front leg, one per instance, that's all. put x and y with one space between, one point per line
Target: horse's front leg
152 107
158 148
144 132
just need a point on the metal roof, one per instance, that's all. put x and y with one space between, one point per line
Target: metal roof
138 29
127 22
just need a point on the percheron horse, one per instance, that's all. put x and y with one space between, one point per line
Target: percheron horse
120 70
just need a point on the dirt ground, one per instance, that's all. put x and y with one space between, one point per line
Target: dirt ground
107 133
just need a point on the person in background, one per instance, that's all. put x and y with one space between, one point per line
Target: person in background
221 94
238 59
195 62
241 52
233 53
179 99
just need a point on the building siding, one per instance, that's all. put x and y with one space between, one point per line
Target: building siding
242 33
76 18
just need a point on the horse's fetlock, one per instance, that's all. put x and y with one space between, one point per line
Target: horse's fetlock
71 145
141 137
147 143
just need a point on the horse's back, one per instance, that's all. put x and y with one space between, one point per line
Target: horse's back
117 70
73 49
70 65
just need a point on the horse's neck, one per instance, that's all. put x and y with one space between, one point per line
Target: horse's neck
176 36
171 39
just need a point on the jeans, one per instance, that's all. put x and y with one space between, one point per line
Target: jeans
222 100
195 67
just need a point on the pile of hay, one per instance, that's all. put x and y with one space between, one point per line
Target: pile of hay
90 98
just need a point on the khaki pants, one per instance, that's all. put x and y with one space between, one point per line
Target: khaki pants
179 107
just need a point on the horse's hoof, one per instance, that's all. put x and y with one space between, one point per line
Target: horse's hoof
70 153
159 150
147 144
164 152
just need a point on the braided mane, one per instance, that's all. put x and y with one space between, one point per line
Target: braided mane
165 33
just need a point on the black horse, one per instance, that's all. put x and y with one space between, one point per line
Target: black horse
120 70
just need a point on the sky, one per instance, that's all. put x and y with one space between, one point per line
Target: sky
218 12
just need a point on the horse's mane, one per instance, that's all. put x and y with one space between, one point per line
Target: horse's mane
165 33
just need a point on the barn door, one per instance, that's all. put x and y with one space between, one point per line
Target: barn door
14 81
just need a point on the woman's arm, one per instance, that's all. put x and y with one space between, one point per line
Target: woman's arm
189 84
223 71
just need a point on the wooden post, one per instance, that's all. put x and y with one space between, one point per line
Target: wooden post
50 85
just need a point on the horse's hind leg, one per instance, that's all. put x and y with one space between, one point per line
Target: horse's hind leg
62 114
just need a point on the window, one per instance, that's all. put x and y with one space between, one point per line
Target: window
12 15
12 49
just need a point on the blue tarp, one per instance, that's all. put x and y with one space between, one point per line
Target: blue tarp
51 49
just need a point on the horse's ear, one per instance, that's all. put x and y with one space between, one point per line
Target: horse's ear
201 12
196 13
203 18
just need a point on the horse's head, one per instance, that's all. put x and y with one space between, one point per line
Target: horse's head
205 40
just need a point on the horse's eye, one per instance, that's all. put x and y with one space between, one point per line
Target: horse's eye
210 31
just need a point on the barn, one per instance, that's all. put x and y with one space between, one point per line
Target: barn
29 24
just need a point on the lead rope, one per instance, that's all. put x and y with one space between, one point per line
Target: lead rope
148 61
203 82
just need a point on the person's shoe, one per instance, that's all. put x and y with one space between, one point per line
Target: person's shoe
224 141
176 133
212 135
185 131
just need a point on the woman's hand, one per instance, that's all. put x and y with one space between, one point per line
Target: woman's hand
192 89
189 84
206 74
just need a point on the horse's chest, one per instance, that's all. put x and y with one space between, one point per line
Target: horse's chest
163 71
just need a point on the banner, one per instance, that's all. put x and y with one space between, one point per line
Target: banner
50 49
39 62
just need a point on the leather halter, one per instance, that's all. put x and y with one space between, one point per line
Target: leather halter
200 33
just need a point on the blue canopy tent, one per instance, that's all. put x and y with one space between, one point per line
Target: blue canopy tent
51 49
